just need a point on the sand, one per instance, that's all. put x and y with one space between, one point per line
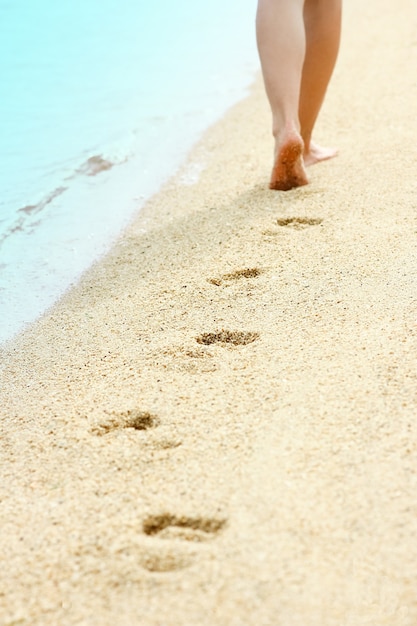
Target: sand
216 426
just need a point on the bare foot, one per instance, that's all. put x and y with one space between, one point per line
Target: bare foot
316 153
288 171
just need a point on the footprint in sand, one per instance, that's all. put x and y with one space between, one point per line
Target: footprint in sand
190 359
248 272
294 223
235 338
138 421
167 557
298 223
134 419
164 561
168 526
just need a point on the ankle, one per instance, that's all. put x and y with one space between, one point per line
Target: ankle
281 128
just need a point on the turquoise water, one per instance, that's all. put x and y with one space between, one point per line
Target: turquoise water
100 102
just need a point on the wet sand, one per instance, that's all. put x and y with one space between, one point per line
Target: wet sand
217 425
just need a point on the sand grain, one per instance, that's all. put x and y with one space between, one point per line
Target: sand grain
272 483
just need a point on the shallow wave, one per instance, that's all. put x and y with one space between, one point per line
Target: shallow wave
100 104
28 217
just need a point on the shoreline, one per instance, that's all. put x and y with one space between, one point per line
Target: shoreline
186 175
61 244
86 155
217 424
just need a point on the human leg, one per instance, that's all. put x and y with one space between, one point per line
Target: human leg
298 42
322 20
282 44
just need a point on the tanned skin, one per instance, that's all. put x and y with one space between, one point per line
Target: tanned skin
298 43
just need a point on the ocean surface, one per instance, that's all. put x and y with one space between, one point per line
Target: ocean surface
100 102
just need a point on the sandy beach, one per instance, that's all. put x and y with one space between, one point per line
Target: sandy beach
217 425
